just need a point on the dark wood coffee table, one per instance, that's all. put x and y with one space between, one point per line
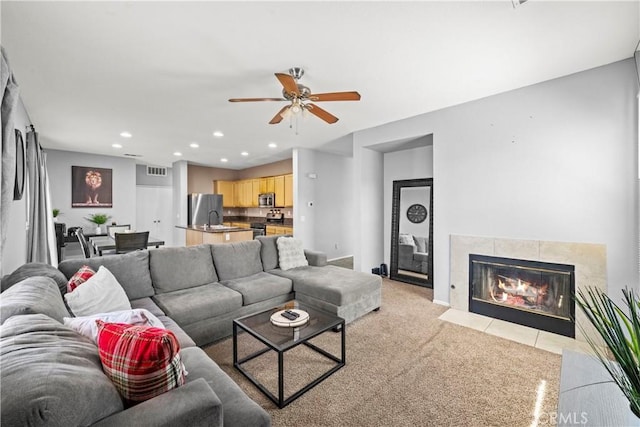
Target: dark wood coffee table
282 339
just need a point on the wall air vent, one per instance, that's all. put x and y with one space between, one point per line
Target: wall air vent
132 155
156 171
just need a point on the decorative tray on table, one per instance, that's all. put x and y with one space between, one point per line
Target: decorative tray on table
288 319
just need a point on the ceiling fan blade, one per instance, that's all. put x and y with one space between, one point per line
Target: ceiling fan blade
278 117
324 115
255 99
289 83
335 96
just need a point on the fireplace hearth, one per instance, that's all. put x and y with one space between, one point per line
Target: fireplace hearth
531 293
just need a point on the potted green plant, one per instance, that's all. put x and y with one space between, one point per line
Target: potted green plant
620 331
98 219
56 212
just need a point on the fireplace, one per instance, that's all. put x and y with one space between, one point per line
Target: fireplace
531 293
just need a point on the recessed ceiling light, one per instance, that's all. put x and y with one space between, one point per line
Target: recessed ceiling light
218 134
177 153
244 153
116 145
194 145
224 160
125 134
272 145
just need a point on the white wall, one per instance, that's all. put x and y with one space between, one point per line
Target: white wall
399 165
14 252
331 193
554 161
124 187
369 208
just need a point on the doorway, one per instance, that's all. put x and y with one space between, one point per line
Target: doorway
412 232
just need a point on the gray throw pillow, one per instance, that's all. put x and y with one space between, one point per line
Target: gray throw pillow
51 375
32 296
421 244
405 239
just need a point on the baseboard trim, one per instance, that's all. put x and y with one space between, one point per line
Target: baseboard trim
439 302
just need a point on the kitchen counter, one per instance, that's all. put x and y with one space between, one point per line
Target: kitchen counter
198 234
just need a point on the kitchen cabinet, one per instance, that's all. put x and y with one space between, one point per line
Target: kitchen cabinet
255 191
227 189
278 229
267 185
288 190
279 190
198 237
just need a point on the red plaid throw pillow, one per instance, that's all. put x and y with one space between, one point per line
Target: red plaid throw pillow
141 361
80 277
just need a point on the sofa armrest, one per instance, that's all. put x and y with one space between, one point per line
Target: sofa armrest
193 404
315 258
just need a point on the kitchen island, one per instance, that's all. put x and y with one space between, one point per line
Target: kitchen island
199 234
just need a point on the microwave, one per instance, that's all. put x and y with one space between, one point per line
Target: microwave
267 200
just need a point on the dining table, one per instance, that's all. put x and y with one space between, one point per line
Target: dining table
106 243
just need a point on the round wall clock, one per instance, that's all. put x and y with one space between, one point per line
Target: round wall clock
416 213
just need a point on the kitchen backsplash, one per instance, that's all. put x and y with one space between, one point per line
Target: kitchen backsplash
256 212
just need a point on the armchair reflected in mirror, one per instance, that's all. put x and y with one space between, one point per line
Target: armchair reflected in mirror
412 232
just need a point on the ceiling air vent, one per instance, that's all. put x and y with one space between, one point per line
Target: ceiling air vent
156 171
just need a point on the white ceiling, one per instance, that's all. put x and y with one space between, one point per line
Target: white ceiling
165 70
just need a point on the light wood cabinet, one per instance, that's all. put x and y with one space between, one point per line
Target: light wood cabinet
244 193
227 189
279 190
288 190
278 229
235 236
267 185
194 237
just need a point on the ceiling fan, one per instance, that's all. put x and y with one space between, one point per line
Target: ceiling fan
300 97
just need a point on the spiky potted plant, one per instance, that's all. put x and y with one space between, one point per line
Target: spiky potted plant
620 331
98 219
56 212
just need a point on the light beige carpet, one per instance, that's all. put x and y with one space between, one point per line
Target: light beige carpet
405 367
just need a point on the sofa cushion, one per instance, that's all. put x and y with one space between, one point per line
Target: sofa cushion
81 276
259 287
268 251
51 375
142 361
148 304
34 269
190 305
337 285
99 294
131 270
291 253
33 295
238 259
87 325
173 269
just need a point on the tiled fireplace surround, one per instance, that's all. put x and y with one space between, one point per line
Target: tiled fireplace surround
590 261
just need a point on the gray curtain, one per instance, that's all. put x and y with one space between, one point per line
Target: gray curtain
10 94
41 238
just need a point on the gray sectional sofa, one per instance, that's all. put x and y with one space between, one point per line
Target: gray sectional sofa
195 292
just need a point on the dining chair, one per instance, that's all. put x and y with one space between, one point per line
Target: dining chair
113 229
129 242
84 245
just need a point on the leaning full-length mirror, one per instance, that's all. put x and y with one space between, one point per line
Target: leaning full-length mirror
412 232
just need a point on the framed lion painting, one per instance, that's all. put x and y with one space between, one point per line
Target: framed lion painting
91 187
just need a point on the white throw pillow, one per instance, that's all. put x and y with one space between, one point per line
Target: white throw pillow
99 294
406 239
87 326
290 253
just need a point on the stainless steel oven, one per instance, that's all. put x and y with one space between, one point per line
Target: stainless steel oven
266 200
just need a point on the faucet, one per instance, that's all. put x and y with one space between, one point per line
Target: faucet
209 217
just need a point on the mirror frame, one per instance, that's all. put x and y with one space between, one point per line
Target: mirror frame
395 231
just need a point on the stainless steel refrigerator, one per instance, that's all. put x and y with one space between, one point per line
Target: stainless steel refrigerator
204 209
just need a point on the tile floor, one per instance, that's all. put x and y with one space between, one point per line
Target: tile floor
539 339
